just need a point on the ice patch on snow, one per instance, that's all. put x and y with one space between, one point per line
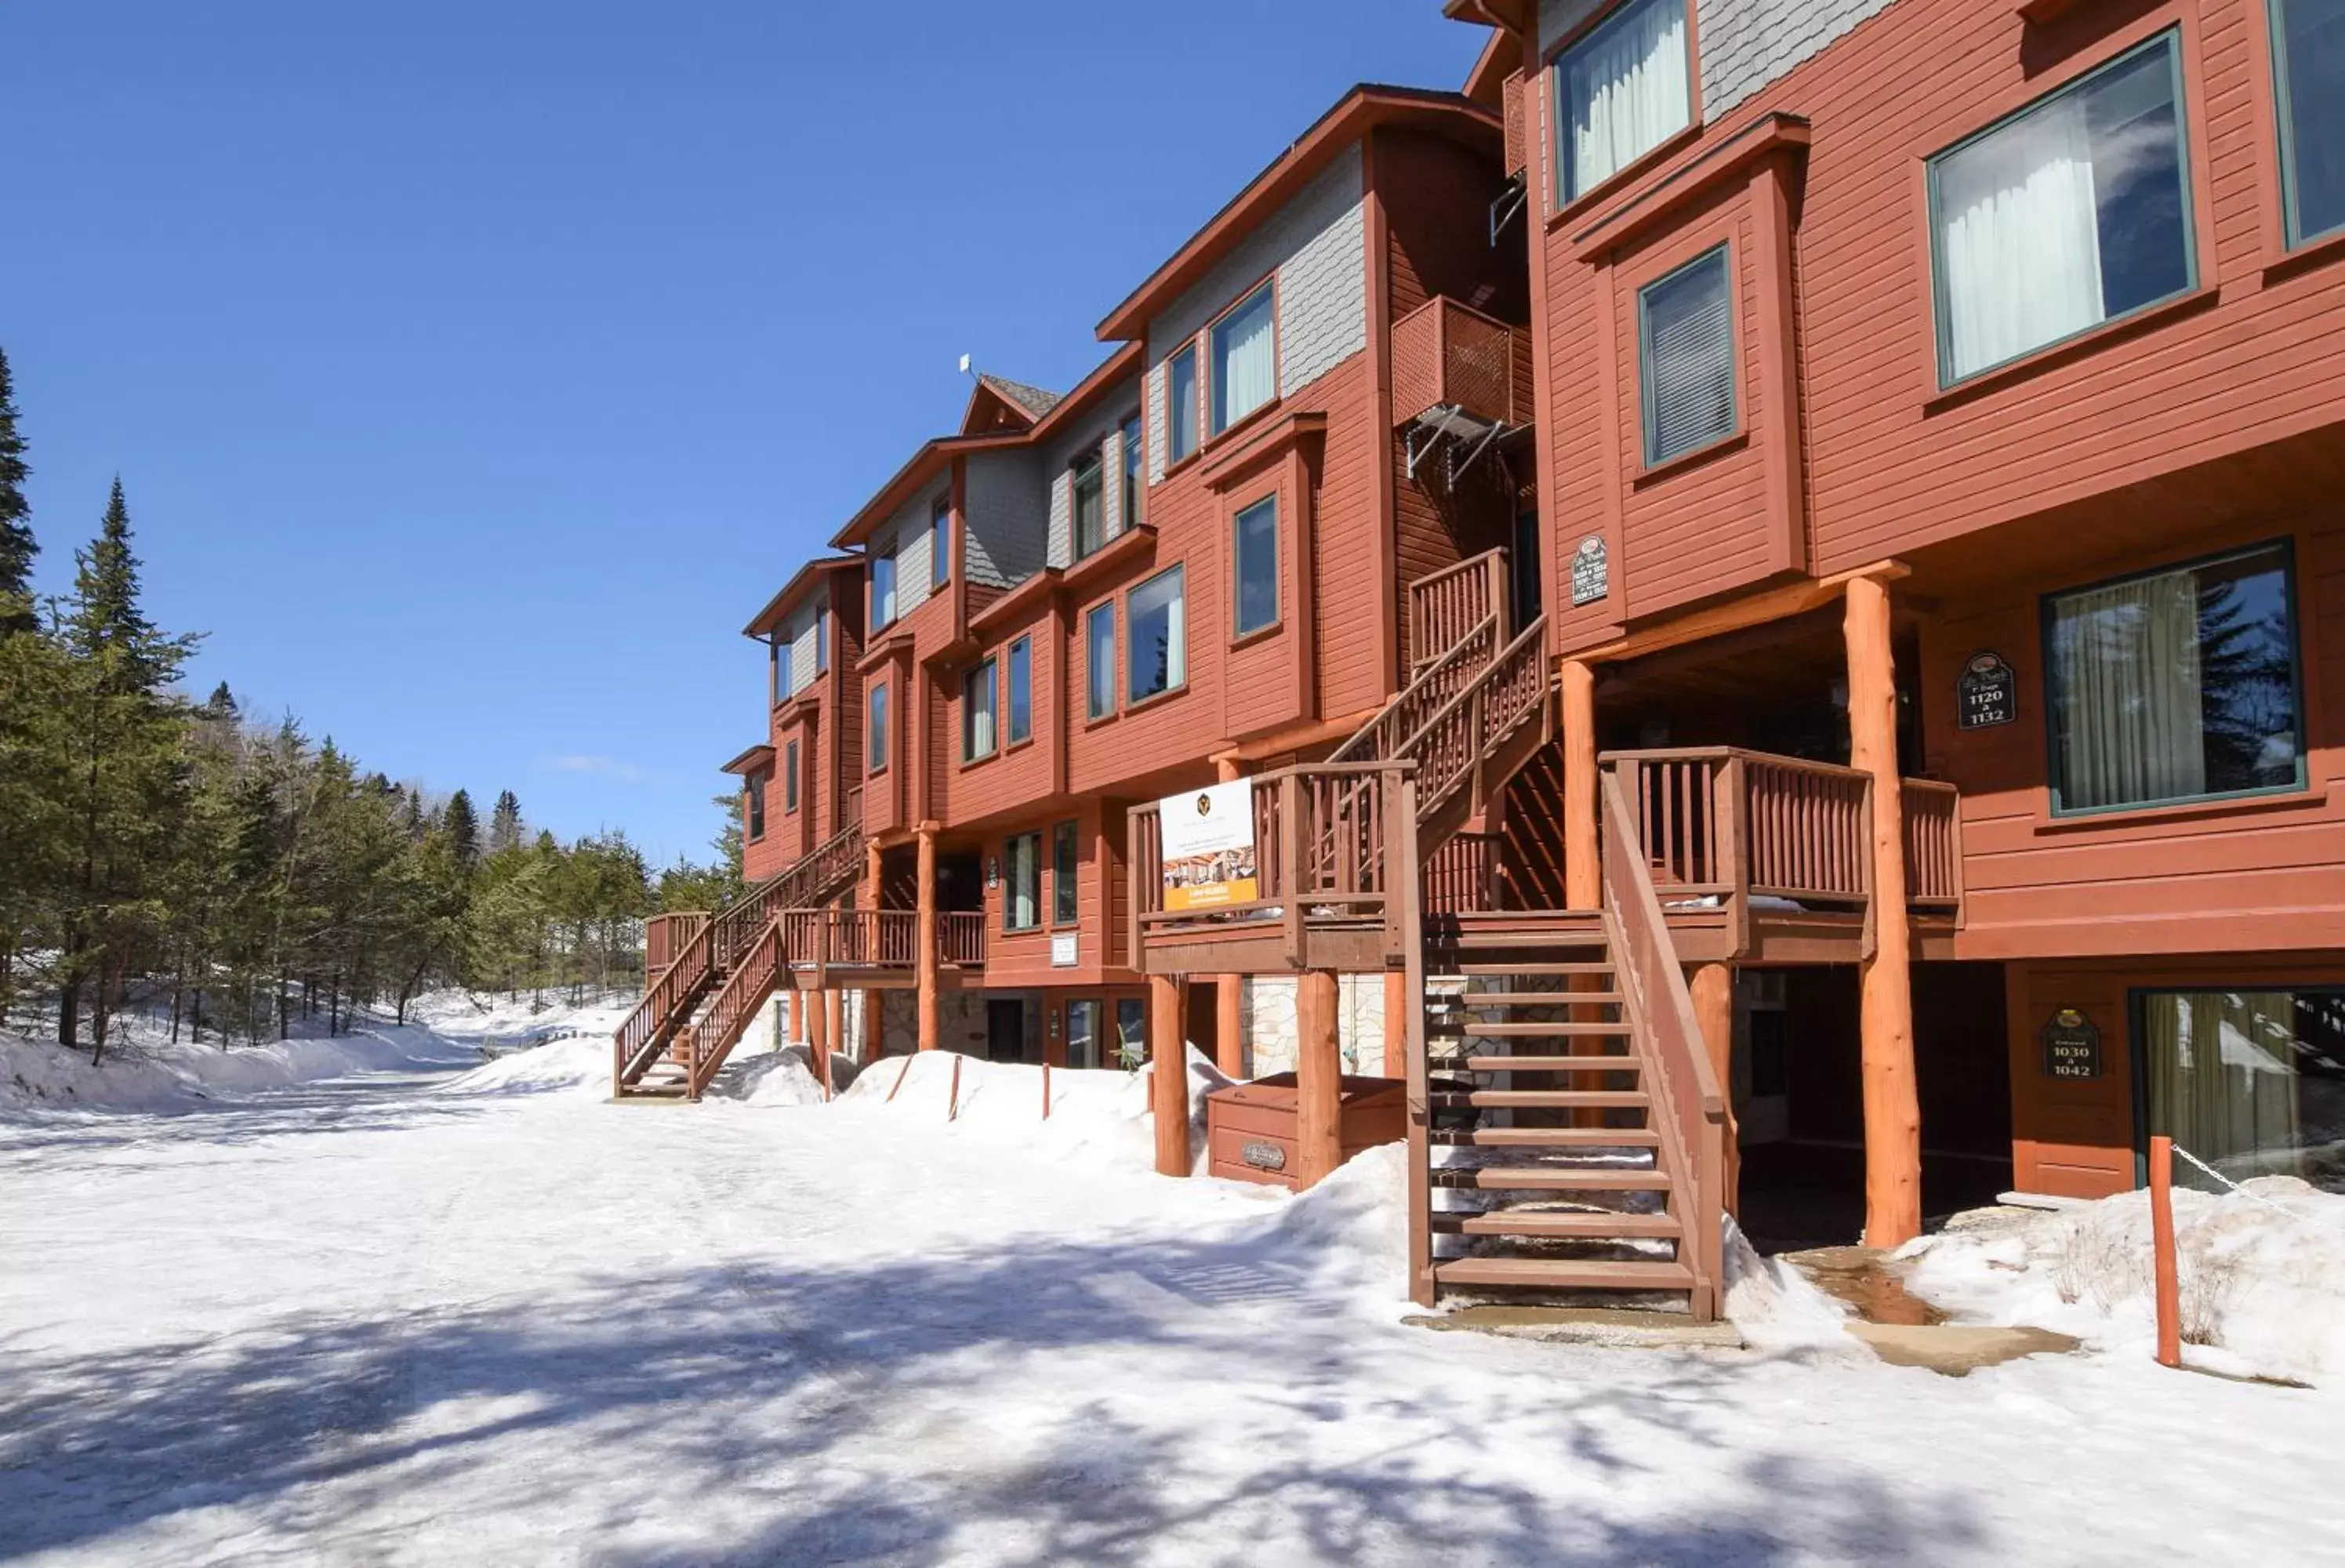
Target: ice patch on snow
2263 1282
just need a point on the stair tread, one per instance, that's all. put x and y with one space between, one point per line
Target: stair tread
1552 1137
1535 1064
1473 971
1598 1099
1564 1272
1534 1028
1560 1227
1532 999
1555 1178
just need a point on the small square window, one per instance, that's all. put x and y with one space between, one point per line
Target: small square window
977 693
1246 359
1253 550
1181 404
1685 325
1020 702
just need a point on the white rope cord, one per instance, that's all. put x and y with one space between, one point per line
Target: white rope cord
2279 1208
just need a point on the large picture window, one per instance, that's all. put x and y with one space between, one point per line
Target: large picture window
1020 697
1253 550
2309 66
2250 1081
2073 211
1621 91
1181 404
1021 888
1245 368
1157 659
2176 685
1685 328
976 694
1099 658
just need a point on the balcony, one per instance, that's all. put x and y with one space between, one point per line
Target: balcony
1460 373
1764 857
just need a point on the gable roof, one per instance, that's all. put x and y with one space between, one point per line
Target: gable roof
770 618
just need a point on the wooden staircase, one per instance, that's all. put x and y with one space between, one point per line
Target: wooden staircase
696 1012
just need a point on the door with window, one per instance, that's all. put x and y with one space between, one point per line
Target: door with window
2250 1081
1005 1030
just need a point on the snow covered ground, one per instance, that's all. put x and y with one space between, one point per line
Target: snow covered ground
496 1319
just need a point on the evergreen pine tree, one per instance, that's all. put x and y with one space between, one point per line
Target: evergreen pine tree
504 823
17 544
463 829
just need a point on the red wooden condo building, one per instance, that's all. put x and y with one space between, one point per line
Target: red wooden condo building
1776 583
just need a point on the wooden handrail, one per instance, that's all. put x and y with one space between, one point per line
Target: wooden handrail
1688 1109
1451 743
721 1022
1445 606
960 939
1435 685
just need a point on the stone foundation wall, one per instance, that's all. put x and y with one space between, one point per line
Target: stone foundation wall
1267 1013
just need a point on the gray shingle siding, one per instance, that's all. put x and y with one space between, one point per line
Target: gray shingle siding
799 633
909 532
1005 520
1747 45
1097 432
1317 245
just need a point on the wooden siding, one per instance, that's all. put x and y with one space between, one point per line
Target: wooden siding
1022 958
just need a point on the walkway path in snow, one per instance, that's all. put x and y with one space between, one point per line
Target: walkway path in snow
368 1323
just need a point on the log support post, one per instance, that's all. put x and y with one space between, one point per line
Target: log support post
874 1026
817 1043
1582 873
1318 1078
1893 1115
1168 1047
1396 1023
833 1028
926 966
1713 985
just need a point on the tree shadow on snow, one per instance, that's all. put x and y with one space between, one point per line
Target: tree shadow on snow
872 1414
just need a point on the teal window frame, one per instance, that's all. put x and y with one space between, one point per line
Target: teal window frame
1720 256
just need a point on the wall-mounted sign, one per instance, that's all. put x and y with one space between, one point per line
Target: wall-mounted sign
1591 571
1987 693
1209 858
1263 1156
2072 1045
1065 952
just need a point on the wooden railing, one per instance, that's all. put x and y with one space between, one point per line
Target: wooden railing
1445 354
1724 824
960 939
666 936
1450 673
853 938
1326 840
720 1023
1461 877
1446 606
1934 844
1688 1110
636 1041
1452 746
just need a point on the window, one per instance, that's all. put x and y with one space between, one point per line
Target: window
2309 65
940 545
1621 91
976 712
883 588
1134 480
1083 1034
1021 690
1022 893
789 778
1181 400
757 806
821 638
2073 212
1090 506
1685 331
778 671
1065 893
2252 1082
1253 598
1130 1032
1245 369
1157 660
2176 685
876 730
1098 636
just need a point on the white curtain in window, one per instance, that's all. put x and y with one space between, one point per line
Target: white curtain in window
2223 1079
1627 91
2131 727
1025 880
981 715
2021 247
1249 377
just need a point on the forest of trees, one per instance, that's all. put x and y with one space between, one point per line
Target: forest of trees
184 857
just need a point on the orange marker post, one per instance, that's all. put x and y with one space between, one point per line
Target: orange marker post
2161 1232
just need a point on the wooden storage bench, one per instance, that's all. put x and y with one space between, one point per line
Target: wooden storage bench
1250 1131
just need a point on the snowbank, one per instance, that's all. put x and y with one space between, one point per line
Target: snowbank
2263 1282
1351 1231
779 1078
1098 1115
1777 1308
573 1066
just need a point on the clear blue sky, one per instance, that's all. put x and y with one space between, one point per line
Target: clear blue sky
477 367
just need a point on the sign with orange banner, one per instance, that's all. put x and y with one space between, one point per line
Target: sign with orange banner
1209 853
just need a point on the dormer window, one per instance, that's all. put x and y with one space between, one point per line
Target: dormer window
940 544
1621 91
883 588
1245 348
1181 404
1089 507
1132 474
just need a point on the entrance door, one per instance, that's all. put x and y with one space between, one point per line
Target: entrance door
1524 570
1005 1030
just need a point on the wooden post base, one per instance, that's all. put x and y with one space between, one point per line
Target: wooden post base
1168 1045
1318 1078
